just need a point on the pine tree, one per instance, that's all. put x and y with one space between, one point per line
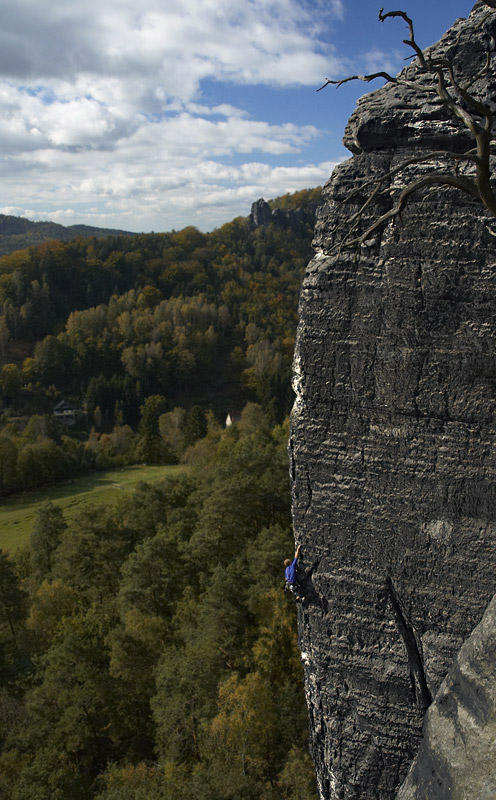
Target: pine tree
45 538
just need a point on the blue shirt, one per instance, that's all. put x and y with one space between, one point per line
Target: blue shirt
290 571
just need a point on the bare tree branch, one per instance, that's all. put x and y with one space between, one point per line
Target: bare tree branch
469 156
411 41
366 78
439 179
475 116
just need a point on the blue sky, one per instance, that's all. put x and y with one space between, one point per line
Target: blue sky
166 113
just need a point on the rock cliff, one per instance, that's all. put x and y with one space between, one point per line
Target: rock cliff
456 757
393 441
262 215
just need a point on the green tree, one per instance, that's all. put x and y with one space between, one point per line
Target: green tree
146 510
195 426
11 598
245 730
209 646
151 579
37 311
73 713
91 552
297 778
39 463
247 491
171 427
133 782
149 297
52 602
10 382
48 528
52 360
135 648
149 445
8 464
43 427
4 336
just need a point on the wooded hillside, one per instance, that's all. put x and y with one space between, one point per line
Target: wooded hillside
17 233
138 338
147 648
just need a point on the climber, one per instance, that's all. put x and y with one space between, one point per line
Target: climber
291 574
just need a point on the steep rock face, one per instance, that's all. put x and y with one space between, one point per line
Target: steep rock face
456 759
262 215
393 442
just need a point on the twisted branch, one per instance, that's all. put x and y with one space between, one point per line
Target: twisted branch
475 116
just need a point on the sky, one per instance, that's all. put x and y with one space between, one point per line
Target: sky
166 113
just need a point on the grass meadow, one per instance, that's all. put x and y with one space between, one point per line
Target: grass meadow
17 513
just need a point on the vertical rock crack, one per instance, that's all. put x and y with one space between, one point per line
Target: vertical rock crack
420 689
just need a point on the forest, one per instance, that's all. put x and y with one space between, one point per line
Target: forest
125 330
147 648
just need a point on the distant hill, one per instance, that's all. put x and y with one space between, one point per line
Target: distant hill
16 233
205 319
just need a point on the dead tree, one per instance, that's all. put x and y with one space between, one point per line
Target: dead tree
469 170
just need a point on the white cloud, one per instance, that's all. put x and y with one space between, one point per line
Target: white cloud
104 118
376 60
205 194
172 46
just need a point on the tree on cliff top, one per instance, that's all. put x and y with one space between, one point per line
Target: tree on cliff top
468 170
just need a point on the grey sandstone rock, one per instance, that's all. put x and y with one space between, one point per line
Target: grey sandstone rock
261 215
456 760
393 444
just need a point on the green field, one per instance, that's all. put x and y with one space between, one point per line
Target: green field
17 513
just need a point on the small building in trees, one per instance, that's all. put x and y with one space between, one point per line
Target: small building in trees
65 413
